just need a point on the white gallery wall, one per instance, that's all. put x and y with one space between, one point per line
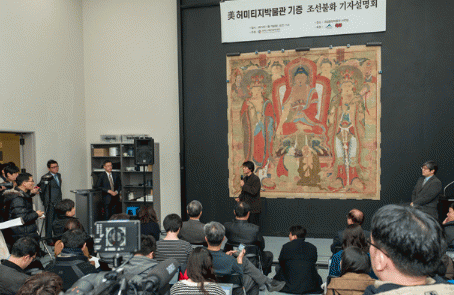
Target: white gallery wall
71 70
42 84
131 79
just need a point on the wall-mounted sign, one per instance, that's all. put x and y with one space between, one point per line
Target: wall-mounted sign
247 20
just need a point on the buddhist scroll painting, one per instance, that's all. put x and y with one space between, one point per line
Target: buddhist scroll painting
309 121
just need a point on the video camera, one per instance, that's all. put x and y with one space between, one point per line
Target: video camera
115 239
7 185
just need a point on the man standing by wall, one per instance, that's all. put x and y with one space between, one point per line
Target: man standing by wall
250 192
50 194
110 184
427 190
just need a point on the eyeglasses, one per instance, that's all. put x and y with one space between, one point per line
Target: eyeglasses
371 244
52 167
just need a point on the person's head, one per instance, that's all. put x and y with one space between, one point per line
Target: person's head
214 233
450 215
147 246
11 172
45 283
107 165
24 251
66 207
73 224
429 168
73 239
297 232
355 217
354 236
147 214
172 223
405 241
200 267
194 209
248 167
52 165
25 181
325 66
355 260
242 210
120 216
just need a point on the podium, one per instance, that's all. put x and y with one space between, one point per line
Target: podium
89 206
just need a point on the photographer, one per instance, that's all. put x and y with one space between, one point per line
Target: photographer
19 203
8 178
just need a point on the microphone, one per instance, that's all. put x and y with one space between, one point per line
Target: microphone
161 275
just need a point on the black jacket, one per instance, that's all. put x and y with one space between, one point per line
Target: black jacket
425 197
103 183
55 191
250 192
242 232
20 204
193 232
297 260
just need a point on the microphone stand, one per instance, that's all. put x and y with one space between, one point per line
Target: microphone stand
47 179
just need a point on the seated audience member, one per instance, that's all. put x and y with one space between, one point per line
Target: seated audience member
201 276
47 283
354 279
226 264
406 249
297 264
64 211
192 230
20 204
12 275
171 246
149 222
353 217
71 264
353 236
448 226
240 231
73 224
143 257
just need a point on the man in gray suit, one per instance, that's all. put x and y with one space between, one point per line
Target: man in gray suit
427 190
55 194
192 230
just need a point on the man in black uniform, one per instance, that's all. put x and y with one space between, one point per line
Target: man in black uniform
250 192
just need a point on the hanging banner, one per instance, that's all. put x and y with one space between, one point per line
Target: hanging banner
247 20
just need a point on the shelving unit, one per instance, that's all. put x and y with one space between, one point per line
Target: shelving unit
132 181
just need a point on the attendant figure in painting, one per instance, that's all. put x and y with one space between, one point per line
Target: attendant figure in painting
236 87
346 125
287 166
325 68
299 111
309 168
257 117
276 71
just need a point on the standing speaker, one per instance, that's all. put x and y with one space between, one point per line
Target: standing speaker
144 151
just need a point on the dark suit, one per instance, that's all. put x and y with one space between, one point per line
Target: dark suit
111 203
250 193
192 232
49 204
425 197
297 268
243 232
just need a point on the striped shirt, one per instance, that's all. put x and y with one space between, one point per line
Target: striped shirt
177 249
185 287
